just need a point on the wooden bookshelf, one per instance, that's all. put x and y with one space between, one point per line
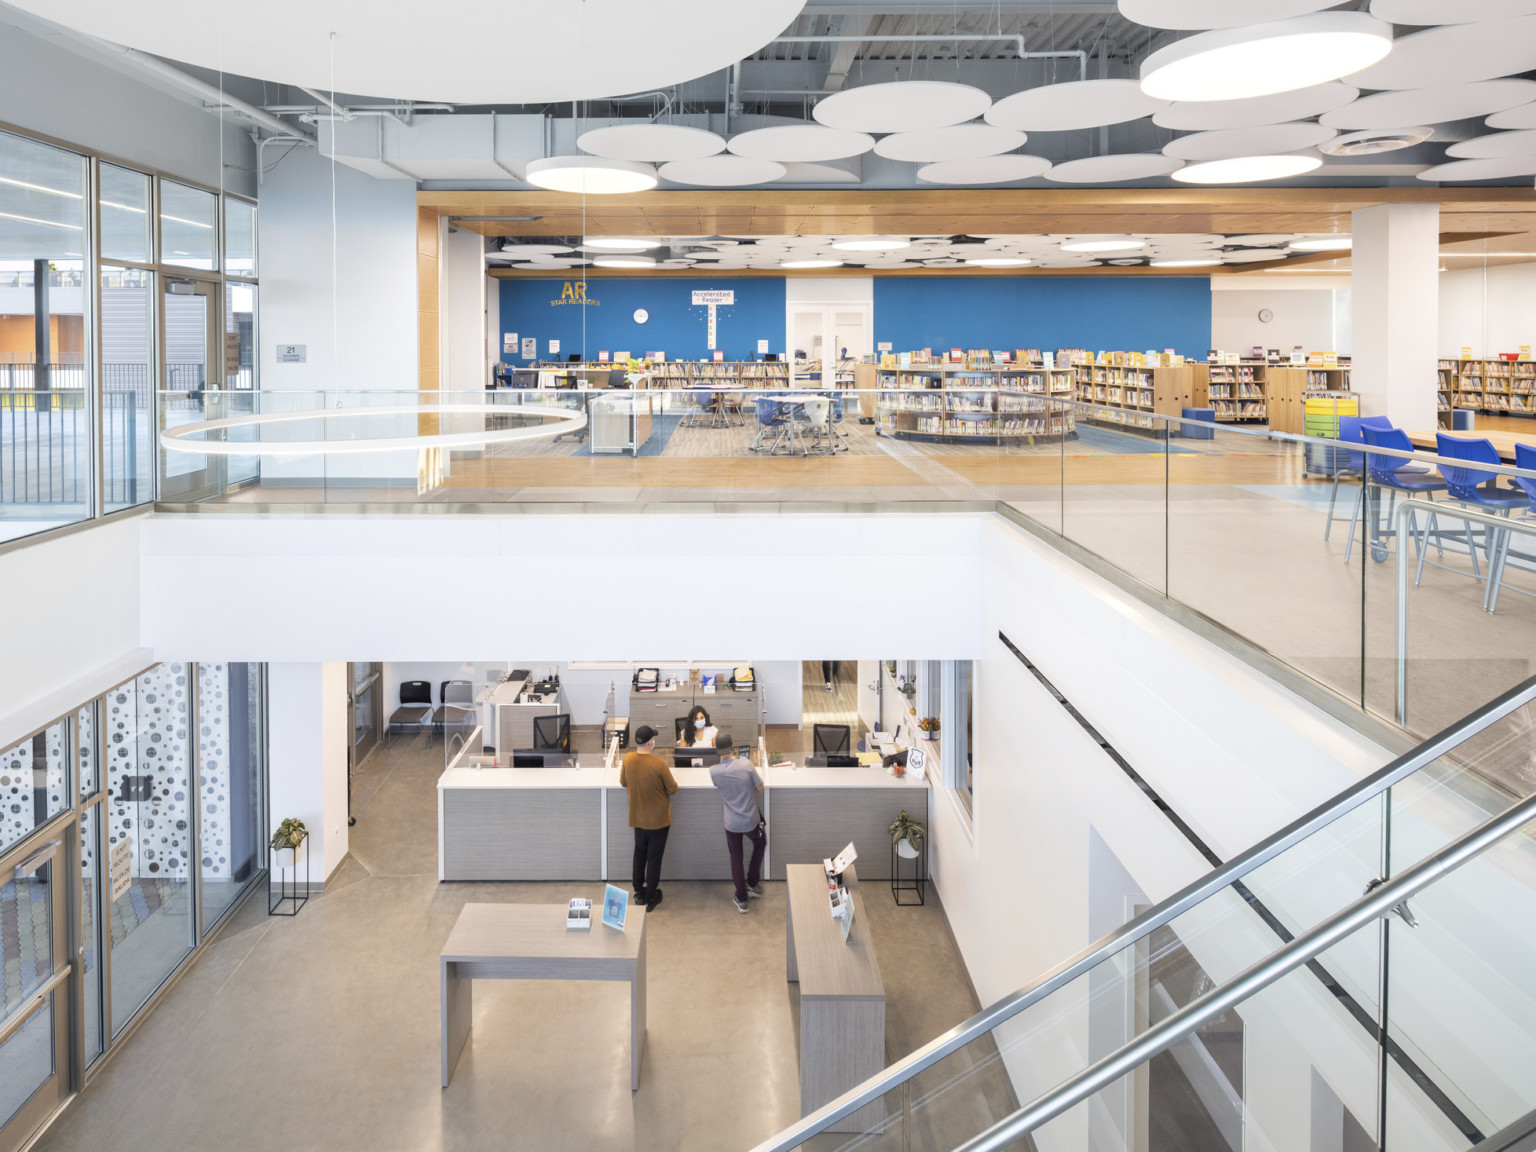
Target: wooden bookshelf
954 403
1238 392
1502 386
1135 395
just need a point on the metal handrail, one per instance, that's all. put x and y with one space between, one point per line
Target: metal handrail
1379 901
1170 909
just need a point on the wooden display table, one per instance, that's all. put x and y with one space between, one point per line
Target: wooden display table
531 942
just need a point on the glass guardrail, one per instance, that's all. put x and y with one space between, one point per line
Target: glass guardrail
1239 1011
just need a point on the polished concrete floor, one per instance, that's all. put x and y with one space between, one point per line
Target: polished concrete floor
321 1031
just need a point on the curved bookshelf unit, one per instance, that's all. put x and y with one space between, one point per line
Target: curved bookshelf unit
958 405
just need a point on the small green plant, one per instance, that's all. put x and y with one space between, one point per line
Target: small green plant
908 829
291 832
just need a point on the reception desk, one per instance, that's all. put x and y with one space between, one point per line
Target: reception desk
573 824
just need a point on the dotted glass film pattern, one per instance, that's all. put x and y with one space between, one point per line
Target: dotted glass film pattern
33 783
213 749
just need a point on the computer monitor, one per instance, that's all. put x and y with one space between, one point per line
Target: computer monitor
770 357
552 733
831 739
695 757
527 759
573 358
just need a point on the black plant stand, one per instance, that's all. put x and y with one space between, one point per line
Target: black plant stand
917 882
288 890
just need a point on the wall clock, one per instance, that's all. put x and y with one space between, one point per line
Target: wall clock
641 315
1265 315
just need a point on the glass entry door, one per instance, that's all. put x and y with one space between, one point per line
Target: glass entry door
192 367
825 341
35 991
363 703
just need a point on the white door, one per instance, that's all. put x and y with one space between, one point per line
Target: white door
826 340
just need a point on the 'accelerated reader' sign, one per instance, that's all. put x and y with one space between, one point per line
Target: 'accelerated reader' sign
715 296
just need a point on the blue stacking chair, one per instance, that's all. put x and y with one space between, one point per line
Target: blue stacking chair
770 414
1480 489
1354 465
1525 457
1393 474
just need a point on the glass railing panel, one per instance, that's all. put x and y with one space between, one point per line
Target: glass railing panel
1115 490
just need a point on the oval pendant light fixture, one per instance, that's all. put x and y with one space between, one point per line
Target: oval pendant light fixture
1261 59
1246 169
591 175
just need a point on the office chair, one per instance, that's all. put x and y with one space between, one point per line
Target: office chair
831 739
618 378
679 726
552 733
415 709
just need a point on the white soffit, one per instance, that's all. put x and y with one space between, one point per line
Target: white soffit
1106 169
457 53
1302 104
902 106
1448 11
726 171
1500 146
1431 105
1454 54
1193 15
1458 170
1263 141
985 170
651 143
1072 105
956 142
800 143
1523 116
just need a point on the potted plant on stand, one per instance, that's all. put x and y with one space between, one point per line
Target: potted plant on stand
907 839
286 840
286 844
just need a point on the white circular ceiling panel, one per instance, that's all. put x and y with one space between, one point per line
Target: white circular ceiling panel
957 142
650 143
1251 255
1455 54
1072 105
535 251
1109 169
1194 15
985 170
1459 170
1443 12
1523 116
1431 105
1262 239
1248 169
800 143
459 55
1276 108
727 171
1499 146
1263 141
902 106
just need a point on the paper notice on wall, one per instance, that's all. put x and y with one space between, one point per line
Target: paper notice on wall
602 357
530 347
883 346
554 347
231 353
719 356
762 346
122 867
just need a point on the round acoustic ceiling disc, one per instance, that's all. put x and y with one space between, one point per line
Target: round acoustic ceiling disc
1262 239
1251 255
535 251
459 55
1248 169
902 106
800 143
1522 117
1277 108
957 142
1454 54
1441 12
1459 170
1109 169
985 170
1500 146
1074 104
546 264
722 172
1264 141
650 143
1431 105
1193 15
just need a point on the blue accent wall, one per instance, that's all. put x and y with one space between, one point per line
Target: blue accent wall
1129 314
676 327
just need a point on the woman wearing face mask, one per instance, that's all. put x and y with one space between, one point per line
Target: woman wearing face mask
698 730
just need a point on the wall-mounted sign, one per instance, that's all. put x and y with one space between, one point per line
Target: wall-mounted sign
762 346
122 867
883 346
719 356
509 337
574 292
602 357
292 353
530 347
554 347
714 296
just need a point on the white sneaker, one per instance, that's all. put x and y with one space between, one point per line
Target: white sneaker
754 891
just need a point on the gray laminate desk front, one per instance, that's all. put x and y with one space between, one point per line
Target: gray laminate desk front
842 998
531 942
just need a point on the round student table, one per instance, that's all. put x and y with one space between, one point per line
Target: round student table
797 445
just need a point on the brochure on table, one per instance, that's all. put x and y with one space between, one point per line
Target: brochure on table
615 907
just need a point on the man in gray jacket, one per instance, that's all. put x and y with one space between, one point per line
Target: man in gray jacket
741 789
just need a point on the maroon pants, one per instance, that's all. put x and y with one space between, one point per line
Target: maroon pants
751 874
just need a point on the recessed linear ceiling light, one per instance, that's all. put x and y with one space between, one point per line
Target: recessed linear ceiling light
872 244
1236 63
811 264
619 243
592 175
1246 169
999 262
1190 263
1102 244
1322 244
625 262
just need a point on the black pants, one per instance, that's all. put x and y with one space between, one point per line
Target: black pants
827 668
650 843
745 877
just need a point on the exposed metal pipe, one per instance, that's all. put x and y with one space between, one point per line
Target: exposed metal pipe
1018 40
297 109
326 101
1378 902
261 151
733 95
667 96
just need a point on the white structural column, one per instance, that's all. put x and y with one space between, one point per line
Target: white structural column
307 758
1396 297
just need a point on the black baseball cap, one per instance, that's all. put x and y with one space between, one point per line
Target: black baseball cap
644 734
